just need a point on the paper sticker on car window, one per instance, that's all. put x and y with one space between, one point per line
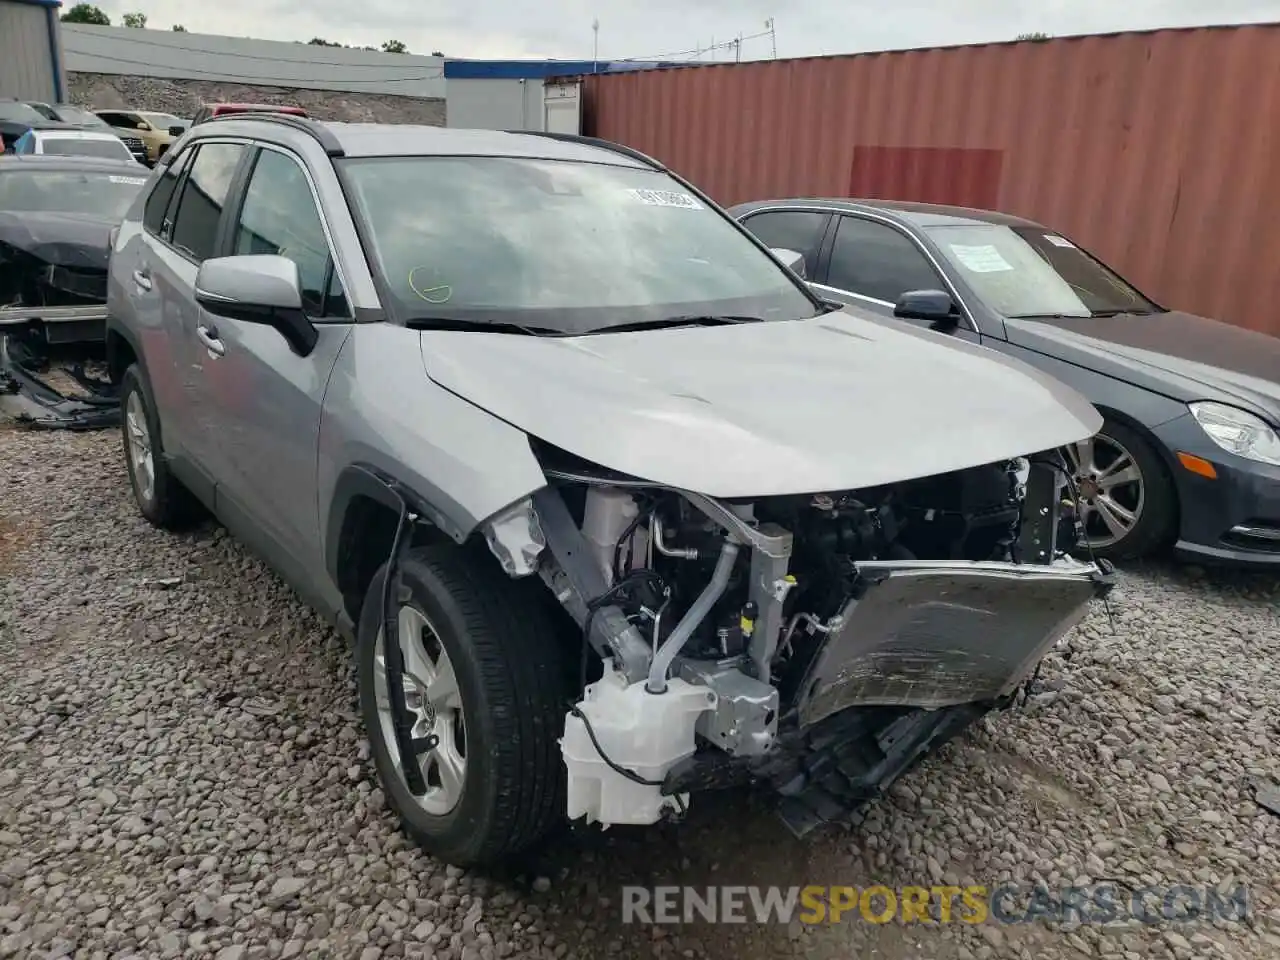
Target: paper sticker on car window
666 198
136 181
1058 241
980 259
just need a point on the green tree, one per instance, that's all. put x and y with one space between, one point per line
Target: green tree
436 53
1032 36
321 42
136 20
394 46
179 28
86 13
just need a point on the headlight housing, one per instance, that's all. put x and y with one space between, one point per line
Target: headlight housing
1238 431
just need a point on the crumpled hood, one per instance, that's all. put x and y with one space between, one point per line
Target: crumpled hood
1181 355
837 402
63 239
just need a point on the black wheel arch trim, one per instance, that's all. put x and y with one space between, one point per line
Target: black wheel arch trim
118 329
364 480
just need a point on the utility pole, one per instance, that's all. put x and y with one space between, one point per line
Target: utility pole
773 37
737 49
595 45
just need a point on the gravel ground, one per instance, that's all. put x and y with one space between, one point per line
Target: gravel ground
182 775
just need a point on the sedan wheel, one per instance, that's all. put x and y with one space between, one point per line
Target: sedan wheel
1128 502
1111 487
431 696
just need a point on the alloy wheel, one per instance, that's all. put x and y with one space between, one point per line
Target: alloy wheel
1111 487
139 435
433 701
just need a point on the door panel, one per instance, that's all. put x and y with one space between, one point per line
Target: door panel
269 398
188 236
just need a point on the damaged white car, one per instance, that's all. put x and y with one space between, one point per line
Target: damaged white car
614 510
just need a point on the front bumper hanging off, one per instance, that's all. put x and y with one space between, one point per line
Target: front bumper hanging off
922 650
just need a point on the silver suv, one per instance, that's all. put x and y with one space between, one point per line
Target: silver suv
611 507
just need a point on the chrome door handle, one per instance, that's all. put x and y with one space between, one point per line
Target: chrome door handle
143 280
209 337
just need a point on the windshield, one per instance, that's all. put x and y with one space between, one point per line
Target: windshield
66 191
1031 272
20 112
562 246
82 117
85 147
162 121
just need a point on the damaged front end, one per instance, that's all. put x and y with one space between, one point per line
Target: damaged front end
818 645
53 310
43 388
53 276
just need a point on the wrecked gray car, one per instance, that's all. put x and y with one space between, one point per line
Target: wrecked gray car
56 218
613 509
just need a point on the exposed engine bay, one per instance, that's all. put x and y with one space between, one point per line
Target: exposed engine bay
818 644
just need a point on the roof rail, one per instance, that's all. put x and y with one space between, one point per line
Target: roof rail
322 134
644 158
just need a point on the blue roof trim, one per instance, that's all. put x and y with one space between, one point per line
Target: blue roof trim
54 4
541 69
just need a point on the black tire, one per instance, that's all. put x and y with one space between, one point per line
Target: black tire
1157 523
171 506
511 679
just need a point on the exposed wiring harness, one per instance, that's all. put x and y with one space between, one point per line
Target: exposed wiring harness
402 722
1106 604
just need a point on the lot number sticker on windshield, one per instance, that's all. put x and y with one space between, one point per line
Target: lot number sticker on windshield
666 198
1058 241
135 181
980 259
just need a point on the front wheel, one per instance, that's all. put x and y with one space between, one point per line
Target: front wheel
1128 503
483 680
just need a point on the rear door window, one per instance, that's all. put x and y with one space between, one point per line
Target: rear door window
878 261
798 230
159 200
204 194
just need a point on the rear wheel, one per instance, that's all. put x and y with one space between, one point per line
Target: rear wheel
160 496
1129 506
484 680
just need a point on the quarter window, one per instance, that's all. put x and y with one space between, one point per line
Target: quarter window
798 230
877 261
204 194
279 216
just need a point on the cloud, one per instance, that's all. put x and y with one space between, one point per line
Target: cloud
630 28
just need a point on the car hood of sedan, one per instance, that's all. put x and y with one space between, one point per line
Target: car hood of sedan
836 402
1179 354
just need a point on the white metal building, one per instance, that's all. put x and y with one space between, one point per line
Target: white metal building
31 60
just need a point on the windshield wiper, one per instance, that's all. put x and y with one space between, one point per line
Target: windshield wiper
479 326
690 320
1139 312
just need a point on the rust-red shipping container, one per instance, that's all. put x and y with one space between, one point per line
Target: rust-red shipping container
1155 150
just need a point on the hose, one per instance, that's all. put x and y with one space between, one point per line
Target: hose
697 612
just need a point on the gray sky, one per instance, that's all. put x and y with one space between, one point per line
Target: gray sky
643 28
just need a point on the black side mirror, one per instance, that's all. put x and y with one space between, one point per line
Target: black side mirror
933 306
176 131
259 288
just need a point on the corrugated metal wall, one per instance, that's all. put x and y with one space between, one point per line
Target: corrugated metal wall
1158 150
26 57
